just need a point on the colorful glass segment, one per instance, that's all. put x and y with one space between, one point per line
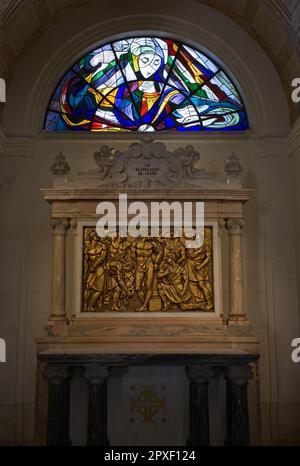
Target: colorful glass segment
146 84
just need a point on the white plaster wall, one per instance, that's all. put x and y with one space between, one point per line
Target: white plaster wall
25 235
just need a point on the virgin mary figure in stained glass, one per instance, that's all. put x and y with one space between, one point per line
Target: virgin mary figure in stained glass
146 84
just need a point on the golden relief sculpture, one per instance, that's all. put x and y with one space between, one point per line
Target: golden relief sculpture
146 274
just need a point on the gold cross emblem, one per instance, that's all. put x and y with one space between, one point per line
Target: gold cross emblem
148 403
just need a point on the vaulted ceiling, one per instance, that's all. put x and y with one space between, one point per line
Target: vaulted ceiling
274 24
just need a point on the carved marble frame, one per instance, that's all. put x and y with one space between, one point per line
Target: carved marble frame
217 282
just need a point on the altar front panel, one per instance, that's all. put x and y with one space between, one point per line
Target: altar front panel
146 405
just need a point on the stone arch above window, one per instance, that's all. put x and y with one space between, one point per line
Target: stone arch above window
146 84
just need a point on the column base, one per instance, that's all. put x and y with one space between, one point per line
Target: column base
57 327
238 320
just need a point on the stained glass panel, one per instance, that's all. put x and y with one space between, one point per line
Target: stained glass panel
146 84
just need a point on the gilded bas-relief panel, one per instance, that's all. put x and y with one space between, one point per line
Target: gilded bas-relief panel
146 274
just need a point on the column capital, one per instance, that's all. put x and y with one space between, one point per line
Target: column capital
96 374
239 374
57 375
221 223
234 225
200 374
73 223
60 225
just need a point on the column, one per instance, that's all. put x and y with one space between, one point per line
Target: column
58 297
237 416
97 407
221 225
58 405
199 408
73 224
236 292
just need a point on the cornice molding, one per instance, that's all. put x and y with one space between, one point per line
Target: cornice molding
24 146
18 147
85 194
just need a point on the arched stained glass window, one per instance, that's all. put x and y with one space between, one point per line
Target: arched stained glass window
146 84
